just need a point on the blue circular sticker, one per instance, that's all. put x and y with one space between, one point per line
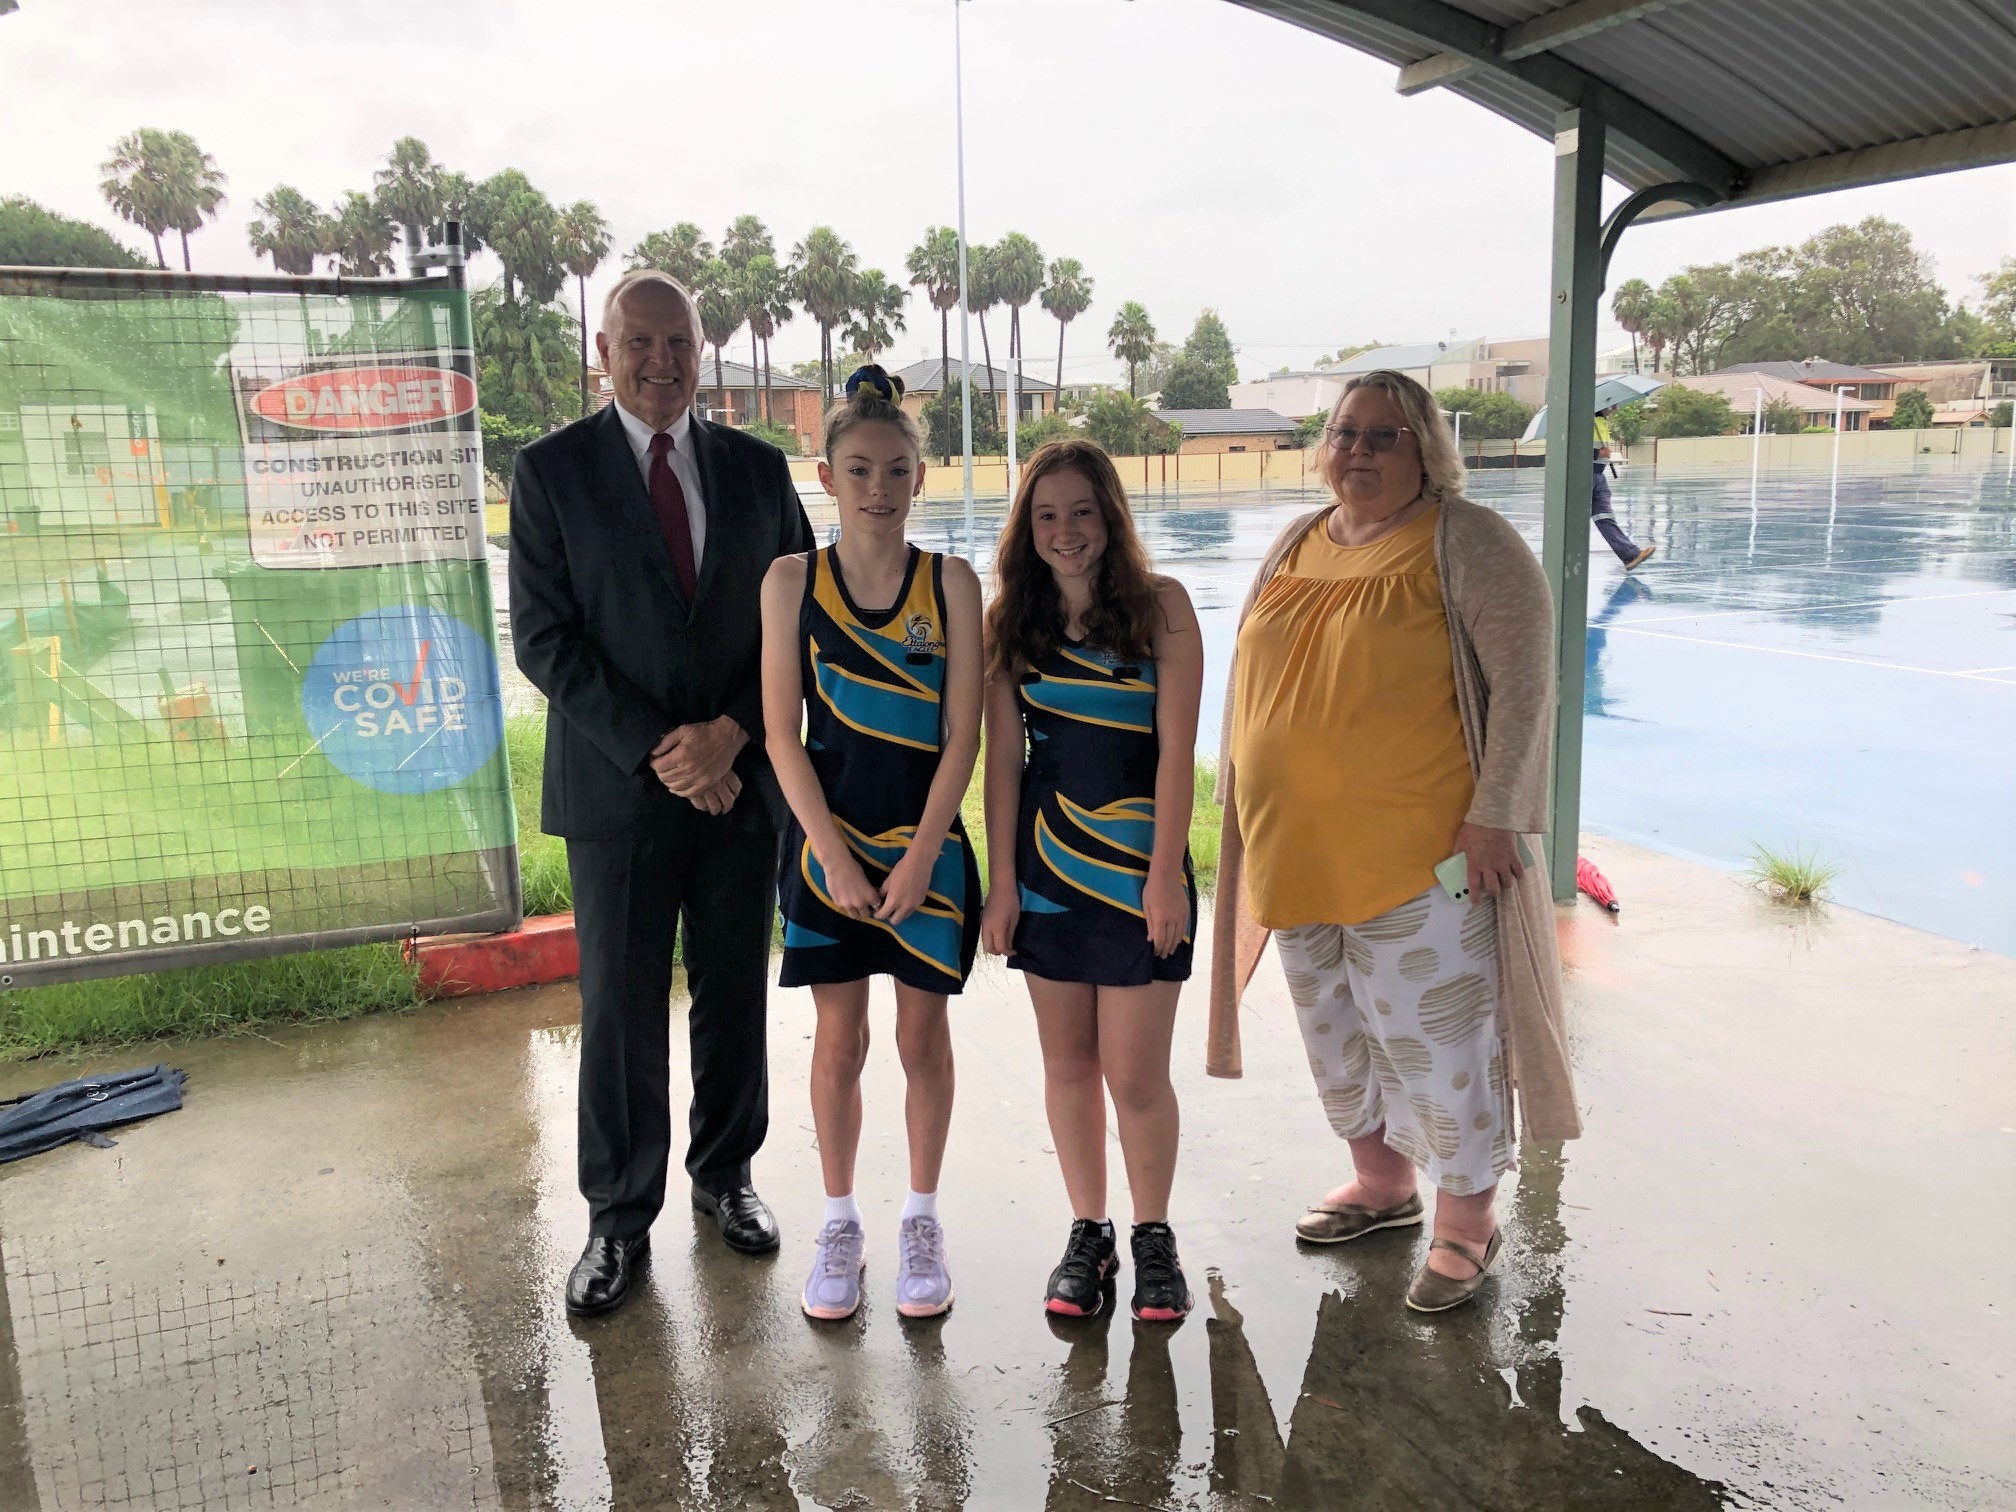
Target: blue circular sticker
404 700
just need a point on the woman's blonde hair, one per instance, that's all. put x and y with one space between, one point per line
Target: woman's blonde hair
1441 467
872 394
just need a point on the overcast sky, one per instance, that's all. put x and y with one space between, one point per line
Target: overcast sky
1188 152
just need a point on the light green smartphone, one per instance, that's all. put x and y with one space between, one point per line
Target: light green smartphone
1454 874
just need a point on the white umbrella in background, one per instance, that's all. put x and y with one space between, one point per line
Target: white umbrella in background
1618 388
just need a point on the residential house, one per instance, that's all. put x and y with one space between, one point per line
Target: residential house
1297 395
1741 386
1229 430
1962 393
1518 368
738 400
1034 397
1873 384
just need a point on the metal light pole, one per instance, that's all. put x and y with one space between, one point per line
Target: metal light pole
1756 450
1756 445
1834 488
965 349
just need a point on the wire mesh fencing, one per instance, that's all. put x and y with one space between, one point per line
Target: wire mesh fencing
248 673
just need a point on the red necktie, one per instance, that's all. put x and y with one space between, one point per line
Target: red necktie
669 500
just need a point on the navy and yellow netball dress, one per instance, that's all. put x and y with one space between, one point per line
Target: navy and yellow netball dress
1087 825
873 684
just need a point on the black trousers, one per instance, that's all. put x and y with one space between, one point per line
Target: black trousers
718 874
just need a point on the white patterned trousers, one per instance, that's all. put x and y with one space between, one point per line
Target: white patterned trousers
1400 1018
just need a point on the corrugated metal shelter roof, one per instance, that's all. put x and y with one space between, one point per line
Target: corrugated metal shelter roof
1226 422
1754 100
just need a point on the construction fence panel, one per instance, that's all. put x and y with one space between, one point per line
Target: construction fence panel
249 694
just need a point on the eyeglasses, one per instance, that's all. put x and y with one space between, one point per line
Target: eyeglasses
1377 438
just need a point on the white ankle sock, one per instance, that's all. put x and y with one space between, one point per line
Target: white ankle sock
841 1210
920 1205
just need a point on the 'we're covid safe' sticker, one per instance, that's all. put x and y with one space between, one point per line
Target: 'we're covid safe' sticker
404 700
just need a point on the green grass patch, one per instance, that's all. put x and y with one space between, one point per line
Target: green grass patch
312 987
321 986
1798 878
542 859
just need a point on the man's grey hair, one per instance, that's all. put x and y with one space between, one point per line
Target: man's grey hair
638 276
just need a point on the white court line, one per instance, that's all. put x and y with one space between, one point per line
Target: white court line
1850 661
1905 598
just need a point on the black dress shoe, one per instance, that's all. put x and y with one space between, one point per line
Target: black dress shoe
745 1220
600 1279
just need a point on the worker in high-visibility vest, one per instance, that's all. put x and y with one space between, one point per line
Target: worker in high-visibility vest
1629 552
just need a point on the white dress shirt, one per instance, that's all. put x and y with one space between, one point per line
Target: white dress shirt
684 467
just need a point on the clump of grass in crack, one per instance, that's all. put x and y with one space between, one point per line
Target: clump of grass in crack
1795 877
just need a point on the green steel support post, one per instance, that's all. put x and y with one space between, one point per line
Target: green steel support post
1571 384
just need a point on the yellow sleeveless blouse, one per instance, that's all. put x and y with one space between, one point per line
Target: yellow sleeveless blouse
1353 776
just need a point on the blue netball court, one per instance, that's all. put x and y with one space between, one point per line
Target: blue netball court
1830 676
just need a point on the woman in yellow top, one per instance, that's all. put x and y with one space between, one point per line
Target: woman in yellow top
1356 776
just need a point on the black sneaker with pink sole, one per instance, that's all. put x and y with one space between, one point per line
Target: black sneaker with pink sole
1161 1294
1090 1260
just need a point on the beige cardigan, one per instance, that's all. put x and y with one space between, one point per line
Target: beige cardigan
1501 623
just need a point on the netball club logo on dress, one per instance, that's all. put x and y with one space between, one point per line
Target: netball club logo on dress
404 700
920 634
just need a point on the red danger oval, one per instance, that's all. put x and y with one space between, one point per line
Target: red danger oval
366 398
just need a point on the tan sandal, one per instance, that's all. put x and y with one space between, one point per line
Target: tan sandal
1433 1292
1326 1223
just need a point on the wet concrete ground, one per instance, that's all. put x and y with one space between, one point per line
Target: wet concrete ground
1774 1273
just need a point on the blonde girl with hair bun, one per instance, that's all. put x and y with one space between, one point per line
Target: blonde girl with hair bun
871 648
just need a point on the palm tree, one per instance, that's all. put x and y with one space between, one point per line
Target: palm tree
679 252
291 230
1068 295
162 181
720 314
981 296
360 237
934 266
825 277
458 194
519 224
196 189
1630 304
877 314
584 242
409 188
1132 339
1660 325
746 240
135 174
766 299
1018 277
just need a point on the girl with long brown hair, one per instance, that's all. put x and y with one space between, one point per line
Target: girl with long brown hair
1094 670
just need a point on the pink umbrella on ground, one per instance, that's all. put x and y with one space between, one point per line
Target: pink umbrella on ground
1594 883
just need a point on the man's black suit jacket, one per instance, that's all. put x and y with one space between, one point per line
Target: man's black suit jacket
601 627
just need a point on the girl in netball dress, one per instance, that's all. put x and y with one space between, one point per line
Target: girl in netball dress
871 647
1094 667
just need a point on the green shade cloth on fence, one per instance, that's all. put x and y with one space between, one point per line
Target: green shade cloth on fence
248 673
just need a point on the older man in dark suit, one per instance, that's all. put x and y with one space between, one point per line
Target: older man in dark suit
639 540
